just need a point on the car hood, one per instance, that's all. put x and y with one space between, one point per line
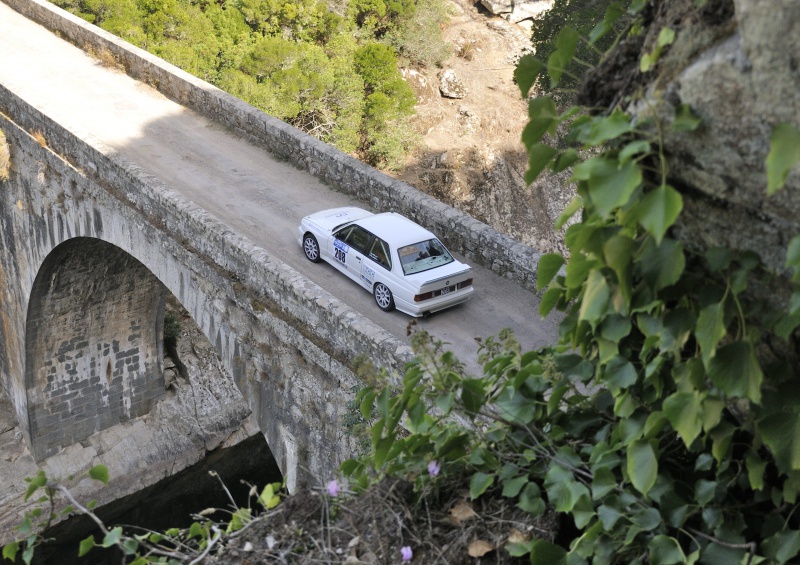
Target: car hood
438 277
327 220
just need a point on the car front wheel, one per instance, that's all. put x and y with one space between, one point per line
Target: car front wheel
311 248
383 297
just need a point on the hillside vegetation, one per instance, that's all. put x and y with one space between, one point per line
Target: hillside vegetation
331 71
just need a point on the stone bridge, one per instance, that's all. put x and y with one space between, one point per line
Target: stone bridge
91 244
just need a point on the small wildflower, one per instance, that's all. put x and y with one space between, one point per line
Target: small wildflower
434 468
406 553
333 488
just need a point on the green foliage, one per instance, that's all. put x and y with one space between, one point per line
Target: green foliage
665 423
175 545
595 20
323 72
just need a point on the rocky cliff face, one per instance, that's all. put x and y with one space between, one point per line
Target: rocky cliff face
735 63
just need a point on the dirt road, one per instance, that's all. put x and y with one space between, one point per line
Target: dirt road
245 187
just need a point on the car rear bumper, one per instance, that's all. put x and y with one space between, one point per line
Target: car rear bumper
425 307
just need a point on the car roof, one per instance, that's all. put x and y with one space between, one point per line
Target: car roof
395 229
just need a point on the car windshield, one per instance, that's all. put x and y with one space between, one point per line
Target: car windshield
423 256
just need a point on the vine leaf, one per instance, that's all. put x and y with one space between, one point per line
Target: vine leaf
684 412
595 298
642 465
539 155
526 72
613 13
659 209
610 184
781 433
548 267
665 550
735 370
710 330
784 153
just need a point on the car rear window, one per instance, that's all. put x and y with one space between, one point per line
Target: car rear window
423 256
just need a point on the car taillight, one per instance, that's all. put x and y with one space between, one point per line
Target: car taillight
421 297
465 283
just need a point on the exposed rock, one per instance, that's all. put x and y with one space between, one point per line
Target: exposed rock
450 85
498 7
528 10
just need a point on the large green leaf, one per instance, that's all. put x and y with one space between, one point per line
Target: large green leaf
684 411
479 483
665 550
547 268
613 13
784 153
546 553
642 465
539 155
574 205
710 329
543 117
528 68
594 303
658 210
782 546
736 371
620 374
610 184
661 265
605 128
781 434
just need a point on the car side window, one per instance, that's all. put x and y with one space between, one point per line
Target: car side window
356 237
379 252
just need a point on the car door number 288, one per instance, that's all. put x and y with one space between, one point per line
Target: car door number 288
340 256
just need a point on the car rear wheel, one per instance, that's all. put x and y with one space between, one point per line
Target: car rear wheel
311 248
383 297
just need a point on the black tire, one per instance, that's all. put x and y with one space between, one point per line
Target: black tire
311 248
383 297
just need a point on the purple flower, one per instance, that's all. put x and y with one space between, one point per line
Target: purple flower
434 468
333 488
406 553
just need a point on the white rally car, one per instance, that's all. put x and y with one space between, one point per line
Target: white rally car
401 263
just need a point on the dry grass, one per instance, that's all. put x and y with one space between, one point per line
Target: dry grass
5 158
39 137
104 57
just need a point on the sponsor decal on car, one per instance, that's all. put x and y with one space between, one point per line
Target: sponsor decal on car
367 274
340 253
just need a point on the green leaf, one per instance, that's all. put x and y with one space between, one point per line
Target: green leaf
782 546
472 395
542 118
642 465
99 473
539 155
685 119
793 252
564 160
112 537
710 330
530 500
594 303
566 42
664 550
620 374
603 482
613 13
658 210
784 153
610 184
528 68
479 483
781 433
366 404
684 412
547 268
736 371
35 483
546 553
574 205
661 265
755 471
634 148
10 550
549 300
605 128
511 487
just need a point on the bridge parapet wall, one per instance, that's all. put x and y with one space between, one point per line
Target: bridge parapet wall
462 233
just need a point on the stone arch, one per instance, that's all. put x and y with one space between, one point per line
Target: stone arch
93 343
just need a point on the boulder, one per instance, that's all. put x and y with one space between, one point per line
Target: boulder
450 85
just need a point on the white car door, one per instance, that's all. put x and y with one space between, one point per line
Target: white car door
350 245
